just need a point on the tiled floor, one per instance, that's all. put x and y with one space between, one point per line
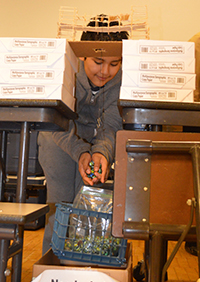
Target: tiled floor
184 267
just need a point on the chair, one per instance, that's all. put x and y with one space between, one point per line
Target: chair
156 190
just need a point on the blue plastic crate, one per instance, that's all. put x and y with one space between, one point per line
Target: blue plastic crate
101 250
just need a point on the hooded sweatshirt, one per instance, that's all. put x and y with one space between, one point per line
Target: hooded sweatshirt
98 119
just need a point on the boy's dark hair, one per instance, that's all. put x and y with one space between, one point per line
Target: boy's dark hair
102 21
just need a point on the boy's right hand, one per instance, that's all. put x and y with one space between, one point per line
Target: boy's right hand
83 165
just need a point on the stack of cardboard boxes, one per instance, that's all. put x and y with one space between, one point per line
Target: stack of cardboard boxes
158 70
37 68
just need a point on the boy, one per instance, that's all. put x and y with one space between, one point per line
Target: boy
65 156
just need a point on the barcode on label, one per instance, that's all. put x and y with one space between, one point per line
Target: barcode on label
39 89
51 43
144 49
180 80
43 58
171 94
49 74
144 66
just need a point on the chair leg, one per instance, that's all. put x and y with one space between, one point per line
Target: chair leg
156 256
17 258
4 244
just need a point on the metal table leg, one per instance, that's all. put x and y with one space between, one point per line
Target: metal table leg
3 142
7 233
4 244
23 163
195 152
157 256
21 194
17 258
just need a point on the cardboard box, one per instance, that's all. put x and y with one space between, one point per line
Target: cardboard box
158 79
38 45
70 83
70 72
158 47
66 275
35 60
50 261
97 48
33 76
159 63
37 92
170 95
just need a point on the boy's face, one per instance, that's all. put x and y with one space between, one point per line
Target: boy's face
100 70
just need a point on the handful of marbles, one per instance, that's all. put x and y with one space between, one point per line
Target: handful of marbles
91 174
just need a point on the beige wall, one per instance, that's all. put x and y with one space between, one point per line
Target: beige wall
168 19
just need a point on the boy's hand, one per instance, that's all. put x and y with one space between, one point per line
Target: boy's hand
84 168
83 165
100 160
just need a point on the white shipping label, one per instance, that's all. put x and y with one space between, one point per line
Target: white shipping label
175 63
16 90
159 49
32 74
153 94
148 94
158 79
33 43
163 48
162 66
168 79
25 58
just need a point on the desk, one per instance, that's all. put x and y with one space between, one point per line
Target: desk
160 113
23 116
155 231
13 216
21 213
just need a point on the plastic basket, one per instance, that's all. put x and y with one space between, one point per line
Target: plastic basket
102 250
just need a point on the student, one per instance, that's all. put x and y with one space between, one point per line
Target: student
65 156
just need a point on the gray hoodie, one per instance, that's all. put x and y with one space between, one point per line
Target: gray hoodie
98 119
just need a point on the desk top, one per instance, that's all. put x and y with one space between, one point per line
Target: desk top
50 115
160 113
21 213
159 105
55 104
